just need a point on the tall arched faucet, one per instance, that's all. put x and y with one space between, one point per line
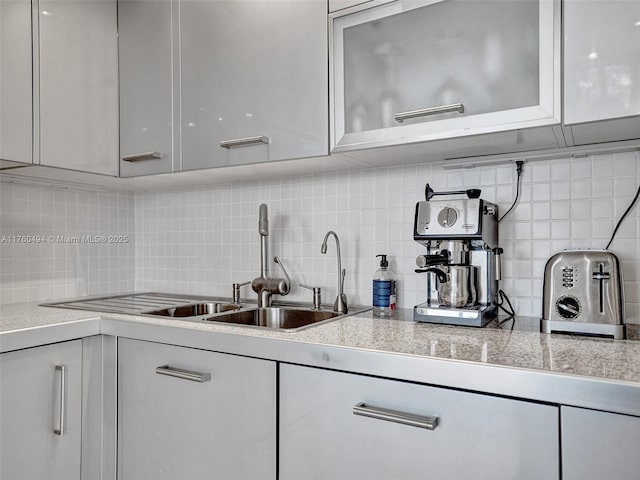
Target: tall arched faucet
264 285
340 304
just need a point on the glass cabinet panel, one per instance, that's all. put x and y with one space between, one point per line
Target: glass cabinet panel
408 63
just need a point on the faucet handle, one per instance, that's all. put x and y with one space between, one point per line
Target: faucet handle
317 295
236 291
287 287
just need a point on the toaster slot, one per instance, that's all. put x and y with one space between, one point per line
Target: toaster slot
601 276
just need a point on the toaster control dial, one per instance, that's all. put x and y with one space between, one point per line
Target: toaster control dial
568 307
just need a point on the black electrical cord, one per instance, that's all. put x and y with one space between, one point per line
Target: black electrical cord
615 230
511 312
519 164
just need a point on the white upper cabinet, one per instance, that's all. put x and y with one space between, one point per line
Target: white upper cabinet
418 70
79 85
147 81
602 69
254 81
16 107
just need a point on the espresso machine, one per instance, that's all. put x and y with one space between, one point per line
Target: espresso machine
462 262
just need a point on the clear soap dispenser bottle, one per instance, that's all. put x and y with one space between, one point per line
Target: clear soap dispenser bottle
384 291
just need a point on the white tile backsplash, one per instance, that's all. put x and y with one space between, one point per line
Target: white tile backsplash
564 204
202 240
57 243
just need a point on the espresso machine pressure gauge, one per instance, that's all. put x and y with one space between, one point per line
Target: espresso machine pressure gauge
447 217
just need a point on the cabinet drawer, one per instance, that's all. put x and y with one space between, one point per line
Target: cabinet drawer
475 436
194 414
598 445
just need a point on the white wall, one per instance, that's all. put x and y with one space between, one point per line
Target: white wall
37 264
201 241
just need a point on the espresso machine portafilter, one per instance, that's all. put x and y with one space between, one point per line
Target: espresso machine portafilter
462 262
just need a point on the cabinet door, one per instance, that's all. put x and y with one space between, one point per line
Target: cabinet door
597 445
145 42
254 72
476 437
601 70
422 70
16 107
179 427
36 400
79 85
601 60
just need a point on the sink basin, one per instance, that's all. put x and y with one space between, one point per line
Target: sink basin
286 318
196 309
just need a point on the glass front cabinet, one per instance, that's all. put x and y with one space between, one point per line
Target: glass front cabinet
418 70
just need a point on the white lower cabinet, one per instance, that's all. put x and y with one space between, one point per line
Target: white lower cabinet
475 436
597 445
192 414
40 412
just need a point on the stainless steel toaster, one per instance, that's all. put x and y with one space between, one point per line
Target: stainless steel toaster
583 293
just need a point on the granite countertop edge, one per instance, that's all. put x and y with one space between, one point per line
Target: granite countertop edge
494 360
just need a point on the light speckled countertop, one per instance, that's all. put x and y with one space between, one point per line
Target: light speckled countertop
594 373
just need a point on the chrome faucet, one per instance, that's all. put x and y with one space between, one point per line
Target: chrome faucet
264 285
340 304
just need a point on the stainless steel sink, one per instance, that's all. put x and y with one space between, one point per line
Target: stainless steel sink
196 309
289 317
284 318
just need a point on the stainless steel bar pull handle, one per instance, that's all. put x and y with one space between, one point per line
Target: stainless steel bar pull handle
243 142
454 107
139 157
183 374
62 369
430 423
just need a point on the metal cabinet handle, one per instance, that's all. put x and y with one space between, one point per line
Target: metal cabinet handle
430 423
454 107
63 399
139 157
183 374
243 142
